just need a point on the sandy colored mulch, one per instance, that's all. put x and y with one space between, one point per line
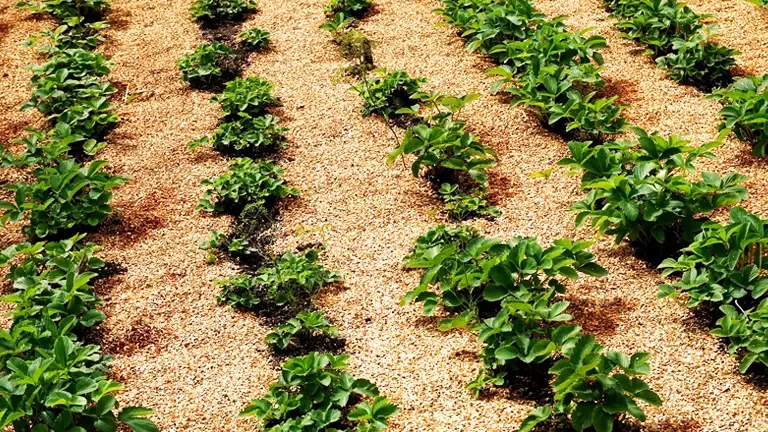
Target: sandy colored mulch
197 364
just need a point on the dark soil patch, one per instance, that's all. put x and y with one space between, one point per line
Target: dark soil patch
305 345
137 337
602 316
624 90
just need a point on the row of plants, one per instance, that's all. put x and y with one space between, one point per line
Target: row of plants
52 379
681 43
646 191
678 39
510 295
542 66
451 158
314 391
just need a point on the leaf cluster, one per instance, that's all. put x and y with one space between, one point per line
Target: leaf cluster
290 281
304 326
725 265
746 111
51 381
205 64
314 392
644 190
677 38
246 182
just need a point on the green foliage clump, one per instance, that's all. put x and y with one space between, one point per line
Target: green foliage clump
542 65
65 196
247 136
726 265
387 92
51 380
643 190
699 62
314 392
746 111
67 9
517 284
211 11
74 33
255 38
291 280
205 64
350 8
304 326
355 46
252 96
677 37
233 245
48 148
246 182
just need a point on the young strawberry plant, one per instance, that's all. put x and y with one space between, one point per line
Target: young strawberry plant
255 38
252 96
66 196
593 390
746 111
74 33
247 136
473 275
643 190
387 92
350 8
246 182
206 65
303 327
66 9
315 393
233 245
699 62
49 148
212 11
290 281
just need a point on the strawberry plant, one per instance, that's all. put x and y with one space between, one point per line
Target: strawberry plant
699 62
64 197
292 279
246 182
446 150
232 245
74 33
252 96
676 36
474 274
387 92
642 190
51 380
255 38
593 389
461 205
205 64
48 148
315 393
350 8
247 136
82 102
747 333
337 23
303 327
725 265
211 11
746 111
657 23
64 9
